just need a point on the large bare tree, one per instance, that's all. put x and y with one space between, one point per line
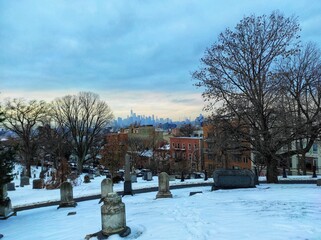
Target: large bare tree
301 77
23 117
85 116
242 80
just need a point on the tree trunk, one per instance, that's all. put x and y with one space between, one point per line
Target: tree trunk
272 171
28 169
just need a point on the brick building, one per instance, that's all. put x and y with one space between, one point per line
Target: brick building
221 153
186 154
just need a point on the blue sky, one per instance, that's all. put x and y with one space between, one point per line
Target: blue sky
135 54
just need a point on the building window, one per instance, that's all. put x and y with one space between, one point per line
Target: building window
177 145
190 156
173 144
189 146
183 146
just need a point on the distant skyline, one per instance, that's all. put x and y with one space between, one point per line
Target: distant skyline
135 54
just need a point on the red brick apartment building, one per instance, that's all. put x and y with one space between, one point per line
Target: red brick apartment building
186 154
215 157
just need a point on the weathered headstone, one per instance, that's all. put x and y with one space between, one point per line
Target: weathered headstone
66 195
91 176
113 216
172 178
148 176
106 187
319 182
193 193
128 183
11 186
86 179
38 183
133 178
97 173
42 174
234 178
163 186
6 209
24 181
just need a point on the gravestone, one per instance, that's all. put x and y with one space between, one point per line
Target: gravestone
6 209
193 193
113 216
133 178
11 186
42 174
128 183
24 181
97 173
37 183
182 177
172 178
66 196
163 186
148 176
233 178
205 176
319 182
106 187
91 176
86 179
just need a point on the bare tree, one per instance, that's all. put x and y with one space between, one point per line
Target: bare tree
241 76
23 118
136 146
186 130
113 153
53 142
85 116
301 75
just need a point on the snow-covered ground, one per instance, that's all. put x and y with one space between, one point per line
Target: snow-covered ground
274 211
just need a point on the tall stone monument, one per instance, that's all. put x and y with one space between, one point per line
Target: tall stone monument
163 186
6 209
128 182
66 196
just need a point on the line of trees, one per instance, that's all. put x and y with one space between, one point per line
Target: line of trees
73 124
267 84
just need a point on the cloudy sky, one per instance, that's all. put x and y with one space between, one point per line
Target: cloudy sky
135 54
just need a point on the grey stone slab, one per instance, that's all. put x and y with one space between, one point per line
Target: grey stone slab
233 178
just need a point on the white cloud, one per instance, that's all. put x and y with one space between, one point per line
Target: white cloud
136 46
